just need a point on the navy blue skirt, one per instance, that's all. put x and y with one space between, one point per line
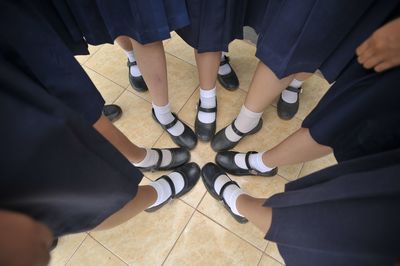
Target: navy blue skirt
346 215
37 42
55 167
306 35
102 21
360 114
214 24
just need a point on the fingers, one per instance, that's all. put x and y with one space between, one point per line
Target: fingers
373 61
383 66
363 47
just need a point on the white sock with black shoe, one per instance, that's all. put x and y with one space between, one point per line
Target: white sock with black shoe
164 116
245 122
163 188
255 161
133 69
290 96
151 158
225 69
208 99
231 192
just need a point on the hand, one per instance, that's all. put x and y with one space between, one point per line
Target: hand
381 51
23 241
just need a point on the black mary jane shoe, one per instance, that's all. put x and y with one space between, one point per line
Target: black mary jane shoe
205 131
179 156
186 140
229 81
190 173
226 160
287 111
209 173
112 111
221 143
137 83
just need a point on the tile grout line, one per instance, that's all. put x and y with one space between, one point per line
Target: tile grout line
80 244
259 261
107 78
90 55
116 255
227 229
177 239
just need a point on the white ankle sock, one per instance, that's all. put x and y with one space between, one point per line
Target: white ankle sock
151 158
231 193
164 115
208 100
255 161
245 122
163 188
225 69
290 96
133 69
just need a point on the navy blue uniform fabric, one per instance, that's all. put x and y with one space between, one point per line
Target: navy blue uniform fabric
102 21
54 166
34 41
214 24
306 35
347 214
360 113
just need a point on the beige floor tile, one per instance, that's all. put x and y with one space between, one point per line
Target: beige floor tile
256 186
66 247
229 104
268 261
182 81
92 50
204 242
321 163
110 61
243 61
273 132
177 47
313 90
136 122
108 89
272 250
200 155
147 238
92 253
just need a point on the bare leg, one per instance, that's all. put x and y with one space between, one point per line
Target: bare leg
152 64
145 197
302 76
264 88
125 43
252 209
298 147
207 67
132 152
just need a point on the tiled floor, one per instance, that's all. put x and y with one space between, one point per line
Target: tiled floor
195 230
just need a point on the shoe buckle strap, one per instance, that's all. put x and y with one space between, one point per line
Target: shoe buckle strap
130 64
159 160
221 192
169 125
171 184
237 132
246 160
293 89
224 61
